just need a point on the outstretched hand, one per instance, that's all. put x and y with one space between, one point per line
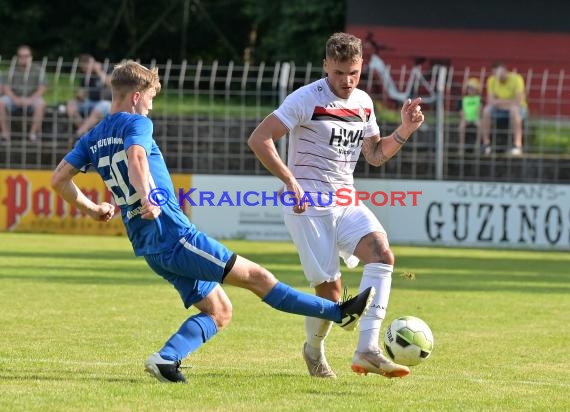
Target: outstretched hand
411 114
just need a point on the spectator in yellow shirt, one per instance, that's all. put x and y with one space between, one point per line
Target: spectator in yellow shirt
505 99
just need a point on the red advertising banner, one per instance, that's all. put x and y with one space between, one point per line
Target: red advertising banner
28 204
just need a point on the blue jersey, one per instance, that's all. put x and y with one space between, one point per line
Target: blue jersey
105 148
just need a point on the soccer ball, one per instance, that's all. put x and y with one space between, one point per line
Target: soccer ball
408 340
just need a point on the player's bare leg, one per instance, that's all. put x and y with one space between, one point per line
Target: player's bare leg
374 251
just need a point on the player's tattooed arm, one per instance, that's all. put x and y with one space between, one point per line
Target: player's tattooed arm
378 150
373 152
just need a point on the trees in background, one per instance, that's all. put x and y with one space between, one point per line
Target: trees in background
293 29
238 30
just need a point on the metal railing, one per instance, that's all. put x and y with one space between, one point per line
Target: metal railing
205 113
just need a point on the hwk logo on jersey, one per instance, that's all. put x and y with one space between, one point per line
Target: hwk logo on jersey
346 137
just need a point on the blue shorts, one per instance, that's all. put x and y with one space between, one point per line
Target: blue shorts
194 266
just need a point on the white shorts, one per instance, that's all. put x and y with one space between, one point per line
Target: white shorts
320 239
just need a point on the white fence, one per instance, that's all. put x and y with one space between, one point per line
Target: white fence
205 113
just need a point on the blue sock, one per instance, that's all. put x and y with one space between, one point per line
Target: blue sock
193 333
284 297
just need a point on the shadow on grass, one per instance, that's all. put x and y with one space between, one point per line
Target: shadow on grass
436 273
70 255
454 274
83 279
7 375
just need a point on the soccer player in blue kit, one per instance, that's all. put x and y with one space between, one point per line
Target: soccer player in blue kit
122 150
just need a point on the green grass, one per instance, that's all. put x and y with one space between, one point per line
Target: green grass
174 103
171 101
178 103
80 314
553 136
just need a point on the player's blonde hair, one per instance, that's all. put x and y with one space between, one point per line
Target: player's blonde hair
131 76
342 47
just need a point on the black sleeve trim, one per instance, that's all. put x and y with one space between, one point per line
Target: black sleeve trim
229 266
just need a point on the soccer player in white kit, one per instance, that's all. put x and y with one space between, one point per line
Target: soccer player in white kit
329 123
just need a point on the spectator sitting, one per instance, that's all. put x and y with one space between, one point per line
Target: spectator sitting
505 99
23 89
93 100
469 110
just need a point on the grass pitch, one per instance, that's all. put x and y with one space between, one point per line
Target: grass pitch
79 315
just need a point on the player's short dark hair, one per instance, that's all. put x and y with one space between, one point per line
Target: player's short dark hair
343 47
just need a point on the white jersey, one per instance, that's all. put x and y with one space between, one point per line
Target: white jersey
325 139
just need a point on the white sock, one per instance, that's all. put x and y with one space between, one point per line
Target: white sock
317 330
378 275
